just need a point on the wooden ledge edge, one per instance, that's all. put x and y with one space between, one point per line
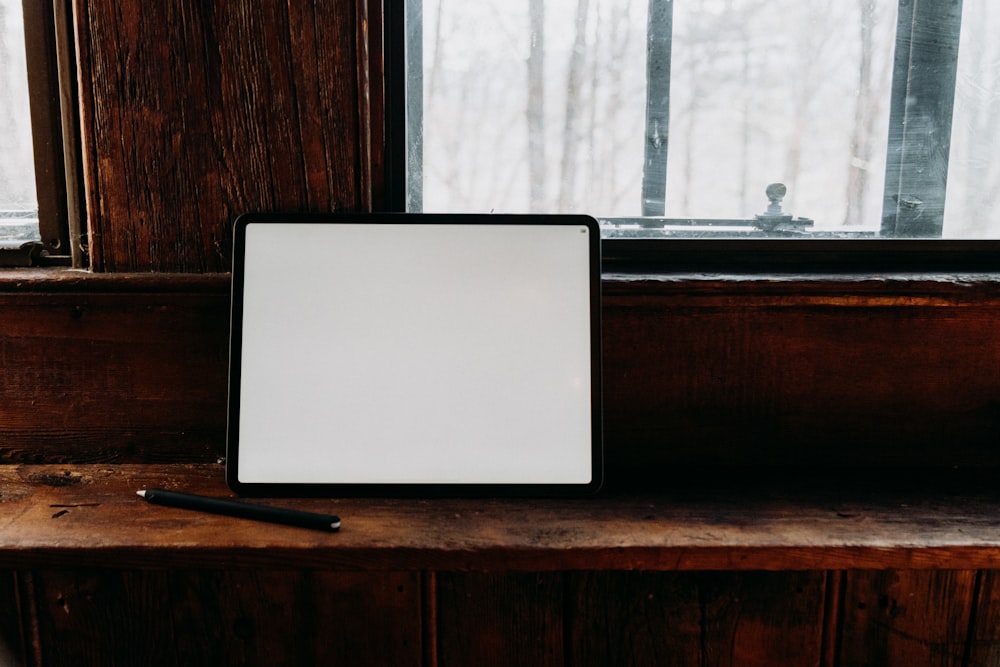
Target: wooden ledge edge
65 280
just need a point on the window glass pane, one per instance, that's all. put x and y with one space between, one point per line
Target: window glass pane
533 105
972 204
795 92
540 105
18 203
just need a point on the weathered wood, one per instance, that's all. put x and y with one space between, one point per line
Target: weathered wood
69 281
132 368
779 373
194 112
11 629
635 619
500 619
220 617
112 377
89 516
984 633
739 619
906 618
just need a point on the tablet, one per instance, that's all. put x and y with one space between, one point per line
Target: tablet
415 354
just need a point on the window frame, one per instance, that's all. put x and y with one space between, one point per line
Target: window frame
927 38
55 131
907 222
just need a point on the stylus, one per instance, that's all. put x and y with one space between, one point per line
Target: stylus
288 517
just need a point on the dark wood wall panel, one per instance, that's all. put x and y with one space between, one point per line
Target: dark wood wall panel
707 619
984 635
694 379
110 617
11 628
194 112
210 617
127 370
631 618
499 619
112 377
195 617
907 617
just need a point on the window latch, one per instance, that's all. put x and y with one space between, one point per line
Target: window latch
774 219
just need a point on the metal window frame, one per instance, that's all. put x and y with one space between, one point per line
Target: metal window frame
659 47
926 59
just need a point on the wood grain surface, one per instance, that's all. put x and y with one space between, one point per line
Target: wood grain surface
90 516
907 618
133 367
101 616
220 617
697 618
193 113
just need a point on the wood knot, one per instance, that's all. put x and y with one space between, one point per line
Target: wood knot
65 478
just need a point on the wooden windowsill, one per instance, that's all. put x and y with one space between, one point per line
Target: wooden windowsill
90 516
857 287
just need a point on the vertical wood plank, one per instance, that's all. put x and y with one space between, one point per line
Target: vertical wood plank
763 618
912 617
195 112
635 619
366 618
706 619
214 617
11 624
984 635
509 619
833 606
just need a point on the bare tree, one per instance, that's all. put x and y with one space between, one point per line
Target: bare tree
806 80
863 130
574 81
612 113
697 56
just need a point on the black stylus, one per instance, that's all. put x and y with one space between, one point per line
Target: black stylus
240 509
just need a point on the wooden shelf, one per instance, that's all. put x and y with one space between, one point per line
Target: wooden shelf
89 515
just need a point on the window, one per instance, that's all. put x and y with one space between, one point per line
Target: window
18 202
37 210
802 118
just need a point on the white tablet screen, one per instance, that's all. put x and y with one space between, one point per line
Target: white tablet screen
413 353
